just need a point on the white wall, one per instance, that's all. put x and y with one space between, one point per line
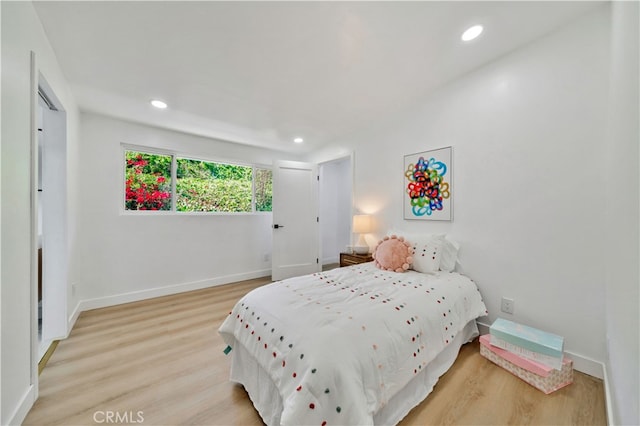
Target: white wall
528 133
21 34
529 179
336 179
621 254
128 256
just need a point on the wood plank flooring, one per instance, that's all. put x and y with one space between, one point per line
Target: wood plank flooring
160 362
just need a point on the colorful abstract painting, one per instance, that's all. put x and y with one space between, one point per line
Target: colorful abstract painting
427 185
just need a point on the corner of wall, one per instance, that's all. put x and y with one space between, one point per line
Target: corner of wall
609 400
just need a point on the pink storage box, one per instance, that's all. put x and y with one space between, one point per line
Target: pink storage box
537 375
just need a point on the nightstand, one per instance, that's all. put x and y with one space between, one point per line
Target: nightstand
348 259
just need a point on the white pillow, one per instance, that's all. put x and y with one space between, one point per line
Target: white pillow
449 254
450 247
427 253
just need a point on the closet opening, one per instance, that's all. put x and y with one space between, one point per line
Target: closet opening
336 207
49 221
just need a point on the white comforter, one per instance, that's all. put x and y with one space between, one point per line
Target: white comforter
339 344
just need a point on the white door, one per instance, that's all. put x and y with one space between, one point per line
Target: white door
53 196
296 231
55 274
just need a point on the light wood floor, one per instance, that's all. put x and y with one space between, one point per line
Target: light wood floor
163 357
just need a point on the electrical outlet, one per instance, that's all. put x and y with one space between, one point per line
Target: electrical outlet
507 305
267 257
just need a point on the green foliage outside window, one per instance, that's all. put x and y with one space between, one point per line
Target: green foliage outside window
200 186
212 187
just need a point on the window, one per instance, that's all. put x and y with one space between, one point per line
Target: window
198 185
212 187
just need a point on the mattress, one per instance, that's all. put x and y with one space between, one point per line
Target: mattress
353 345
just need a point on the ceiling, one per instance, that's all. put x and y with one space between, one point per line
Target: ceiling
262 73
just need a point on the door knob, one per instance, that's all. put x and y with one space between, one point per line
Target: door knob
276 226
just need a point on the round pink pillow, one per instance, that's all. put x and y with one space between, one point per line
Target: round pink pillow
393 254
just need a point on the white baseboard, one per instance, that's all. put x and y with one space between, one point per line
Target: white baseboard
135 296
587 365
73 318
484 328
23 407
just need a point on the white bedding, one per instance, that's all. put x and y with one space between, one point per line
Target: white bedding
339 345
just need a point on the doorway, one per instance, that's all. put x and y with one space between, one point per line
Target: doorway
49 219
336 189
296 228
312 208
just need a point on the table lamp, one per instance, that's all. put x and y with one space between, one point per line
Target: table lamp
362 226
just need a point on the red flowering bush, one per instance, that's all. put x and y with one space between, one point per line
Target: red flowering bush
147 186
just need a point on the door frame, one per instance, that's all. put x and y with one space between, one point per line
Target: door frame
351 157
59 285
280 272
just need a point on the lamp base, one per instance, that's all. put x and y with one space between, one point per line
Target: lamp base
361 249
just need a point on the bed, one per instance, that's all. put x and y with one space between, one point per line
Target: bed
350 346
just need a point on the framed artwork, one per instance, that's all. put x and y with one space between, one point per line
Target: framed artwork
427 185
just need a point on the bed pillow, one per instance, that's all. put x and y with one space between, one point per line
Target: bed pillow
427 253
449 254
393 254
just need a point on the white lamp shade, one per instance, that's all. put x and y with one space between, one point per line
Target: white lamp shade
361 224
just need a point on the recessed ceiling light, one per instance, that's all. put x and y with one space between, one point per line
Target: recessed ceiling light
472 33
298 140
158 104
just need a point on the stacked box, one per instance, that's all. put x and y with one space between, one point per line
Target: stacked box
528 342
536 374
